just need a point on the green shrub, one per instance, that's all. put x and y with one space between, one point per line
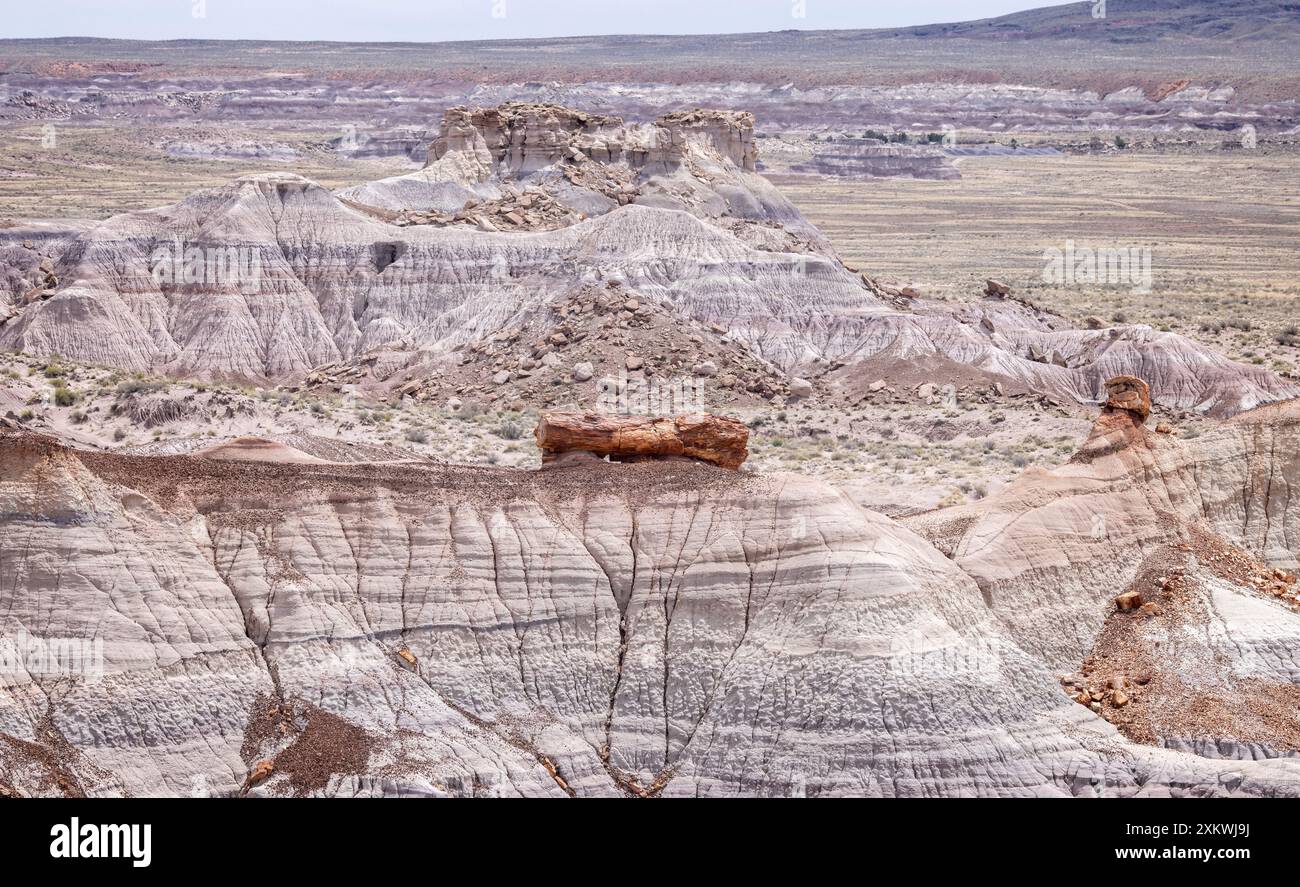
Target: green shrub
136 385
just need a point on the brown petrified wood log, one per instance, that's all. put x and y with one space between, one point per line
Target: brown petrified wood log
710 438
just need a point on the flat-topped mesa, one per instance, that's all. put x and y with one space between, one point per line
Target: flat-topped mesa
730 132
716 439
524 137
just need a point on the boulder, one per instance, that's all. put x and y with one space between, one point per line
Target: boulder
800 388
1129 600
582 372
260 772
716 439
1129 393
996 288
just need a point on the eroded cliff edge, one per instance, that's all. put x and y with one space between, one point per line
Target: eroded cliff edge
650 628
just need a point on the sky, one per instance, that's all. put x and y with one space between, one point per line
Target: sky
435 20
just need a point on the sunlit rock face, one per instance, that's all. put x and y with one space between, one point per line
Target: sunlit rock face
414 630
270 276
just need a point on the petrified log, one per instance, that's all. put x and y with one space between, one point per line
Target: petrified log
710 438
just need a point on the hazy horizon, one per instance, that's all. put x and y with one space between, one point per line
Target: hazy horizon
407 21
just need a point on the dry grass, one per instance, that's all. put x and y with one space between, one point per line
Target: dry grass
1222 228
97 171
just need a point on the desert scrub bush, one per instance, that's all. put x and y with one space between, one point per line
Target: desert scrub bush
469 411
119 435
1289 335
955 497
63 396
510 430
137 385
77 417
417 435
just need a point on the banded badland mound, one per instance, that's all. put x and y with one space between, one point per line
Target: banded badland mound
654 628
273 276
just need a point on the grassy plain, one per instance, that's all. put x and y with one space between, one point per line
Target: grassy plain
1223 229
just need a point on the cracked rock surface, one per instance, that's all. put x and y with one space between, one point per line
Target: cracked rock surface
521 206
588 629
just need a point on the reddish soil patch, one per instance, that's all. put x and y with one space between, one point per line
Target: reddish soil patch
1128 678
327 746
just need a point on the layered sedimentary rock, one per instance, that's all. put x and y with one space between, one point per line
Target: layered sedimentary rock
1193 531
272 275
655 628
869 158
